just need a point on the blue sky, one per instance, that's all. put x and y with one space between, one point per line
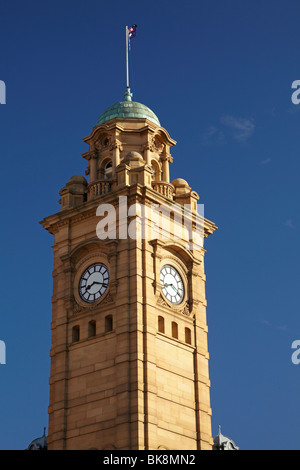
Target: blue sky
218 75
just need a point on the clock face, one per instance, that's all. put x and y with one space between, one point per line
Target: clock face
93 282
172 284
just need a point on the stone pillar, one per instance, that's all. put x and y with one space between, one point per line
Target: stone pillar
147 154
93 167
116 148
165 169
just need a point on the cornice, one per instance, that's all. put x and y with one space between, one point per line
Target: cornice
116 124
87 209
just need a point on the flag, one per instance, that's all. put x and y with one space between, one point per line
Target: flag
132 31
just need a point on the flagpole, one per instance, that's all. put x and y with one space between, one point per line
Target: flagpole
127 67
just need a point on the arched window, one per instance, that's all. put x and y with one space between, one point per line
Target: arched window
188 336
156 170
174 330
92 328
161 324
108 323
75 333
108 170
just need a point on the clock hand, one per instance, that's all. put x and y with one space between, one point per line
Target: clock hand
174 289
171 285
94 282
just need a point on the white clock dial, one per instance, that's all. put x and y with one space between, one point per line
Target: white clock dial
172 284
93 282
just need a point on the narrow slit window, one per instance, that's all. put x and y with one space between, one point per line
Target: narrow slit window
188 336
92 329
75 333
174 330
161 324
108 323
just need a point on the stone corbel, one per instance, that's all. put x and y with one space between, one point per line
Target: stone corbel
169 157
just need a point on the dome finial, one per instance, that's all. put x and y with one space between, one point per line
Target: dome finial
128 95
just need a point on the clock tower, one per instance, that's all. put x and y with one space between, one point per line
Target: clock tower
129 355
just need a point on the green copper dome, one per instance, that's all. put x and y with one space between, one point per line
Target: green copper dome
128 109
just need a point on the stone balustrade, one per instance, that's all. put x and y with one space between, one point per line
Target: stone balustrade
99 188
163 188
